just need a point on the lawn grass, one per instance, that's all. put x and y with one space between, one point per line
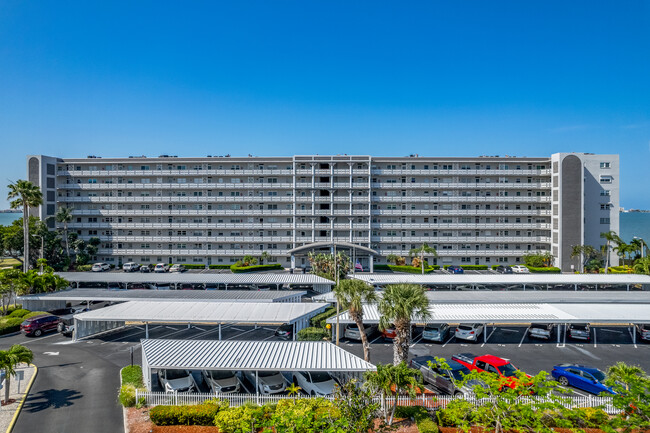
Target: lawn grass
132 375
8 263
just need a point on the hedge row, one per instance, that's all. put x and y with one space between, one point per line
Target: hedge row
254 268
36 313
406 268
19 312
319 321
10 309
84 268
312 334
198 414
549 270
193 266
9 325
219 266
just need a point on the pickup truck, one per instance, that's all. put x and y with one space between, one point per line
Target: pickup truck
490 364
446 380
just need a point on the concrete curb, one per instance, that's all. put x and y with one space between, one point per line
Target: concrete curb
22 402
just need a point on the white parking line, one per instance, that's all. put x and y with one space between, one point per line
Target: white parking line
632 336
488 337
416 340
204 333
451 338
239 335
378 337
595 341
612 331
524 336
40 338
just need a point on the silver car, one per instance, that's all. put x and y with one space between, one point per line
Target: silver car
435 332
268 382
221 381
469 332
175 380
352 331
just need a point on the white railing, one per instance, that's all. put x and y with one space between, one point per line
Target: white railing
426 400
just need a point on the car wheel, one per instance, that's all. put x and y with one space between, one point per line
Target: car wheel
563 381
458 394
38 333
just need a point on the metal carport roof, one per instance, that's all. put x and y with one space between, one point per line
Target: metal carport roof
187 277
203 312
167 295
520 313
250 355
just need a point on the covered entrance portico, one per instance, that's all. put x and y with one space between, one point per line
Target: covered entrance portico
364 255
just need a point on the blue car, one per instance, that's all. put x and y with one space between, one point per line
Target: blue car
581 376
455 269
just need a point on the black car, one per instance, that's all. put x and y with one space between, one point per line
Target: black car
284 331
145 269
504 269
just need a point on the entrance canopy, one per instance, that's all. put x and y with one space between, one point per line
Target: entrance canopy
343 245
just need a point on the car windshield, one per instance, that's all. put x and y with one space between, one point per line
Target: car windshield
434 328
353 327
175 374
217 375
599 375
579 327
320 377
458 374
538 326
267 373
508 370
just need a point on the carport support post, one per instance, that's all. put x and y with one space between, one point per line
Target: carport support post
294 331
146 330
219 331
485 331
257 386
633 334
559 328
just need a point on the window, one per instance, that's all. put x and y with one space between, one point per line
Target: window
606 179
604 165
604 220
605 206
604 192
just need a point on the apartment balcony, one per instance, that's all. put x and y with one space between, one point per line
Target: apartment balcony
461 199
345 239
149 173
468 253
335 172
176 226
176 199
187 252
474 172
462 239
460 212
182 212
335 185
332 212
174 186
337 226
196 239
471 186
328 199
468 226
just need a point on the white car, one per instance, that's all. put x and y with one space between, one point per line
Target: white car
130 267
176 268
269 382
221 381
520 269
177 381
352 331
100 267
161 267
316 383
469 332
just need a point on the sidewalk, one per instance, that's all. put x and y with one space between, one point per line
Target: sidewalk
8 412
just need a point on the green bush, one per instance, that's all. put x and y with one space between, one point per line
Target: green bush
312 334
304 416
457 414
271 266
193 266
549 270
319 321
9 325
198 414
241 419
35 313
84 268
219 266
20 312
127 395
132 375
427 425
412 269
11 308
411 412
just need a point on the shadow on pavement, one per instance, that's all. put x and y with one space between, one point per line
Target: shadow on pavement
51 398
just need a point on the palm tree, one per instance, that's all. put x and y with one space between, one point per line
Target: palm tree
64 216
642 266
352 294
578 251
264 256
638 247
10 359
399 303
392 380
610 236
25 194
624 374
421 251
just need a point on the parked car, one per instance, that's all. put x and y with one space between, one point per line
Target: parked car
469 332
315 383
66 326
504 269
113 285
284 331
176 380
268 382
221 381
580 331
38 325
520 269
541 330
161 267
177 268
352 331
444 379
491 364
69 310
581 376
137 286
455 269
130 267
643 331
436 332
145 269
186 286
100 267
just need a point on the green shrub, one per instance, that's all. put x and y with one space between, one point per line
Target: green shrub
312 334
132 375
198 414
457 414
411 412
427 425
9 325
549 270
219 266
127 395
11 308
304 416
35 313
20 312
381 268
193 266
271 266
412 269
241 419
84 268
319 321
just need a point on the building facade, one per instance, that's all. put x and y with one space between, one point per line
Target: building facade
214 210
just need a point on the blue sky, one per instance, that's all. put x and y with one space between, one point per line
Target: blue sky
282 78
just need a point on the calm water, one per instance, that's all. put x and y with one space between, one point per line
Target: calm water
635 224
7 218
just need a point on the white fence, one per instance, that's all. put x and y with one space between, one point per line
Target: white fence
425 400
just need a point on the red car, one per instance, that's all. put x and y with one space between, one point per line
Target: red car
38 325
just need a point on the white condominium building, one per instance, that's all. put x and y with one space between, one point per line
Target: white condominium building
215 210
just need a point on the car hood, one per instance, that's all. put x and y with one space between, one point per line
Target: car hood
183 382
276 379
324 388
223 383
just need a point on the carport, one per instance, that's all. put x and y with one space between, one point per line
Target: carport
210 313
225 281
559 314
49 301
513 282
281 356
